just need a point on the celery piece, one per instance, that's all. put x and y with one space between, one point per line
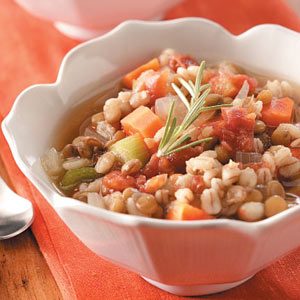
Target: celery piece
131 147
75 176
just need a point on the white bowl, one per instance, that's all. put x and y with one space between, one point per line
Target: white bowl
185 258
85 19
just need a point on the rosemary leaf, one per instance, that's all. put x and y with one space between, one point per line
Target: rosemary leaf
198 80
194 112
214 107
175 137
180 141
167 127
170 133
181 95
191 83
204 87
187 86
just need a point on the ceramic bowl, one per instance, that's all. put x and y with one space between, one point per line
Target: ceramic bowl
185 258
85 19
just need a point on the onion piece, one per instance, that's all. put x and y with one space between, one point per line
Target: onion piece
76 163
163 105
95 199
243 93
52 163
248 157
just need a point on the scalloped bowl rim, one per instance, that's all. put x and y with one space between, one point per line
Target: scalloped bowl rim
131 219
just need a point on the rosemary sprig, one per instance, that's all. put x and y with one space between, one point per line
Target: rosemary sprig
175 137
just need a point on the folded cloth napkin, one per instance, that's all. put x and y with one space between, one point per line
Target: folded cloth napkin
30 52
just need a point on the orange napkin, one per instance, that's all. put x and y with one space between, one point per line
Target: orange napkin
31 51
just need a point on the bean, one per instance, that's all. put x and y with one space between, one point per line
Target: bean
184 195
274 187
295 143
265 96
155 183
281 136
236 194
97 117
131 167
105 163
264 175
76 163
254 195
248 178
223 155
210 201
274 205
128 192
95 199
265 139
147 204
69 151
213 99
115 202
251 211
162 196
227 100
112 111
230 173
125 106
140 98
259 127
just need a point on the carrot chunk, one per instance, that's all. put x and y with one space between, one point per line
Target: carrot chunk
143 121
278 111
129 77
184 211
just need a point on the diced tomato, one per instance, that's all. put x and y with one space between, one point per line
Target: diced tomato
222 85
239 79
229 85
151 168
178 159
140 182
237 118
236 131
208 74
244 142
197 184
173 163
296 152
179 60
116 181
165 166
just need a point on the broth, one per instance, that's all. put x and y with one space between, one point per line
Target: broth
79 116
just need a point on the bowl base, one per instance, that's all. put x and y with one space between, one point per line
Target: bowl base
196 290
78 33
83 34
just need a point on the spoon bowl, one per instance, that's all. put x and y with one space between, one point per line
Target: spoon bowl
16 213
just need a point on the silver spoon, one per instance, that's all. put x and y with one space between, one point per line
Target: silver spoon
16 213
